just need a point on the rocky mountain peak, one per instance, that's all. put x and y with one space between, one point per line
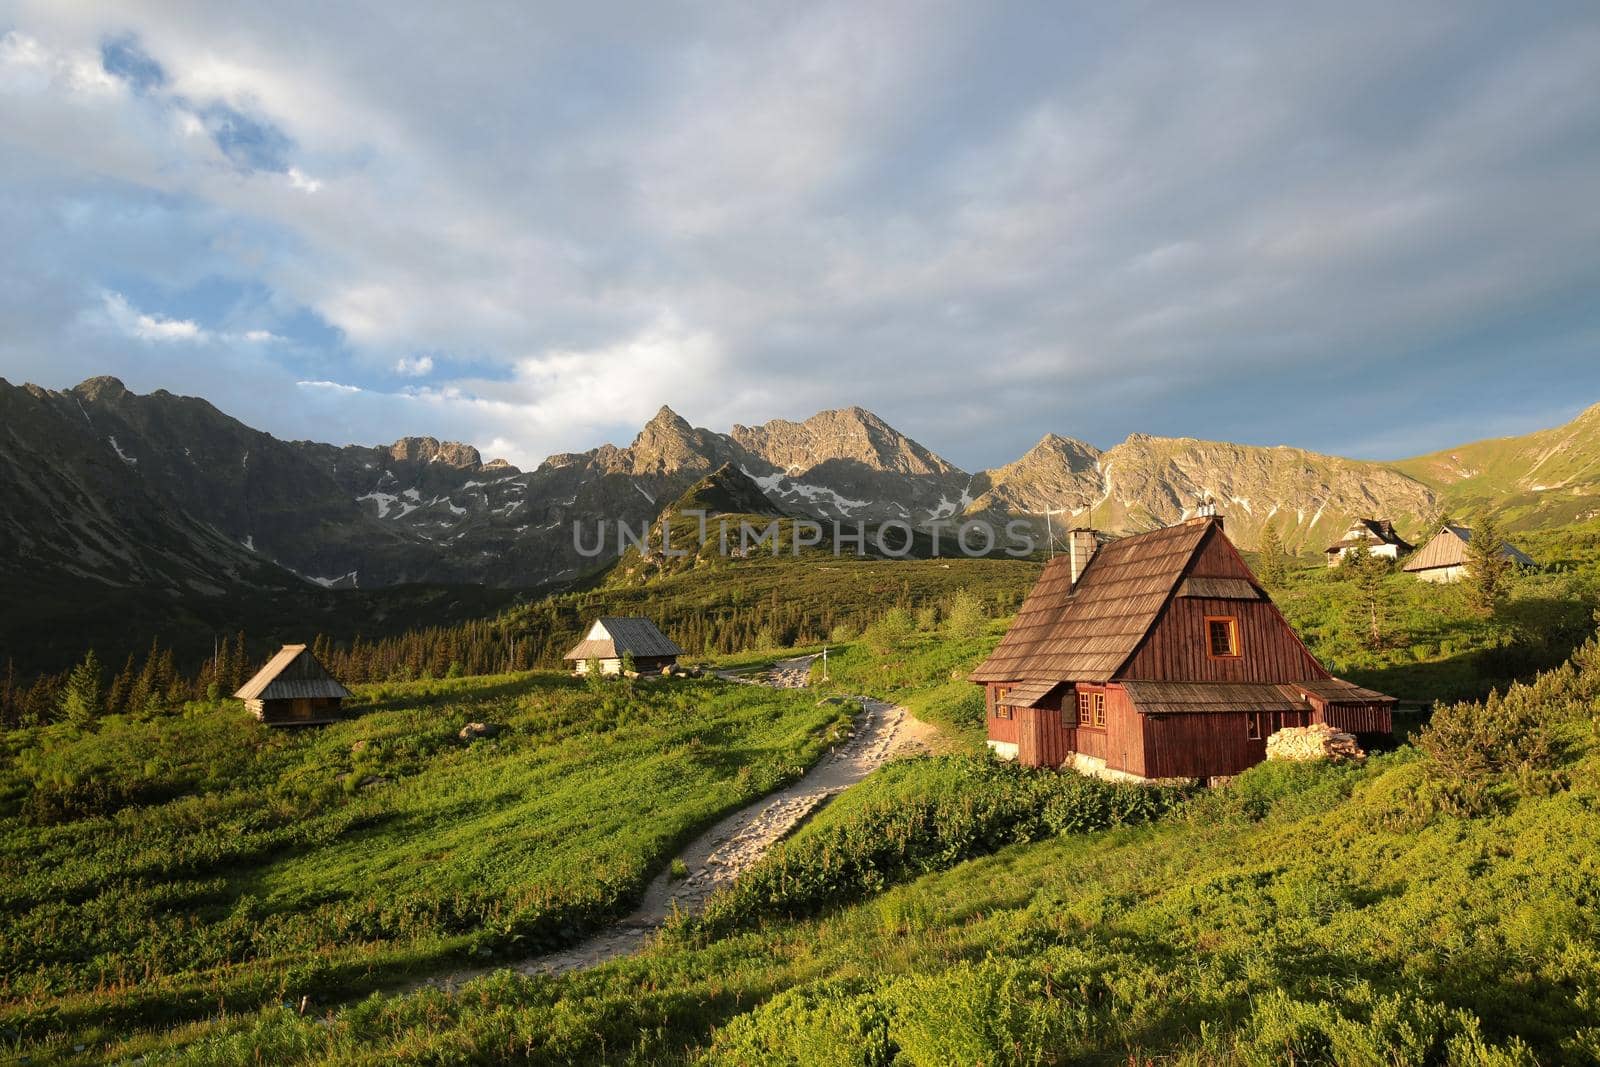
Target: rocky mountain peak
102 387
668 443
853 435
431 450
725 491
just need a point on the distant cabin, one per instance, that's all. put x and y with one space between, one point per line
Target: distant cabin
1155 657
293 689
613 636
1444 559
1376 536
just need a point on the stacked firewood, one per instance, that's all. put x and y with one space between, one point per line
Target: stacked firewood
1316 742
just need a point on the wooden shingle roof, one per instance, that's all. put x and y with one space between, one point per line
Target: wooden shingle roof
615 636
293 673
1338 691
1177 698
1449 549
1087 634
1220 589
1028 694
1199 698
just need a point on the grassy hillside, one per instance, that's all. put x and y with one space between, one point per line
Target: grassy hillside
1437 905
1434 644
1538 480
162 868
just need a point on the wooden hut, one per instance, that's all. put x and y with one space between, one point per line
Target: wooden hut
1444 558
293 689
1376 537
613 637
1157 657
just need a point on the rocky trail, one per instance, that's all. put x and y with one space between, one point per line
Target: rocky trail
731 846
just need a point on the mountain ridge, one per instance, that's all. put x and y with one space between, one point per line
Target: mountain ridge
425 510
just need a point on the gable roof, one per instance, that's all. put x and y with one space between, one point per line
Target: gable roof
1086 634
1449 549
293 673
625 636
1367 532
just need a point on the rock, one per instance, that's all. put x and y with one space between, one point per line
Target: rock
474 730
359 746
1316 742
372 781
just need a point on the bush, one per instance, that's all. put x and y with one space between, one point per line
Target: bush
919 816
965 616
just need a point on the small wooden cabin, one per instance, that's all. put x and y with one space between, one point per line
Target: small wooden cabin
614 636
293 689
1158 657
1376 537
1444 558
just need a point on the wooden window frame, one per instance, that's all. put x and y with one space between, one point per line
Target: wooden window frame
1234 643
1253 730
1001 710
1091 704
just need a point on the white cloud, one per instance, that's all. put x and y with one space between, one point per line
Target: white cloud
29 66
300 180
338 387
134 323
773 212
260 336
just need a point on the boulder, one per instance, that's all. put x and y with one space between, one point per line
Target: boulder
1316 742
474 730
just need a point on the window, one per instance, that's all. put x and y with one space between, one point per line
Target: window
1091 707
1253 726
1001 709
1222 637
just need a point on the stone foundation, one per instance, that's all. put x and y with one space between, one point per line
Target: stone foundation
1003 749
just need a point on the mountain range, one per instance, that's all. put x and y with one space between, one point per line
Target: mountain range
104 485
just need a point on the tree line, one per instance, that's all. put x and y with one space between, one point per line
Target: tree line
532 636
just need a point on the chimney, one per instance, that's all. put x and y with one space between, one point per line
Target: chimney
1082 544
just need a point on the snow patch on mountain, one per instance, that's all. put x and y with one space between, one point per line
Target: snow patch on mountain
129 460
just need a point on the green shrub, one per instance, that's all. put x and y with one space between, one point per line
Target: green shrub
918 816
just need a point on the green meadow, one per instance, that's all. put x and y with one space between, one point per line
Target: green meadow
158 869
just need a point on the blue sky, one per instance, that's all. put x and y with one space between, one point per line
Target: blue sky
1371 230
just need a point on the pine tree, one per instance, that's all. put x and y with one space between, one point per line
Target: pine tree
81 702
1367 573
1487 566
1271 566
121 686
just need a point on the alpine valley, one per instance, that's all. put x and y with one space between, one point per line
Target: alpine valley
116 498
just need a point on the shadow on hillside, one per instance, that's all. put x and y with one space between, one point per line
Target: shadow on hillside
409 696
1541 634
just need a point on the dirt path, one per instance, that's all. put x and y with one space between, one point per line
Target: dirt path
722 853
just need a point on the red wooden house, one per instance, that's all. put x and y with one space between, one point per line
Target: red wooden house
1158 656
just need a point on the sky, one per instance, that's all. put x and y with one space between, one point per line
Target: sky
1370 230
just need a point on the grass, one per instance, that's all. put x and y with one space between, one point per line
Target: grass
1434 906
1435 645
926 670
154 871
1307 914
1321 914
